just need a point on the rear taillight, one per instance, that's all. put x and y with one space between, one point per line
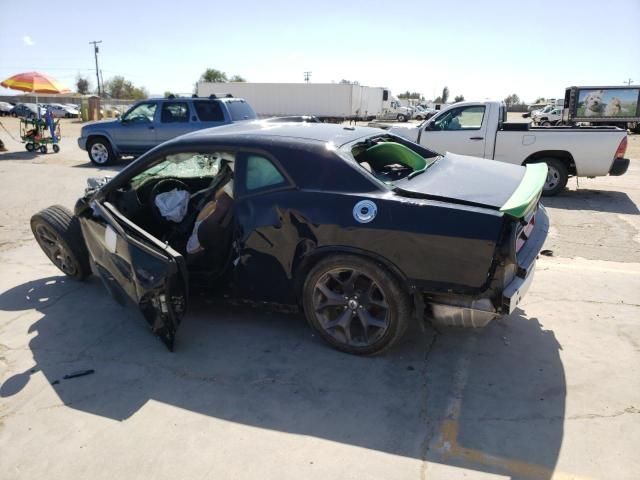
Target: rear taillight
622 148
524 231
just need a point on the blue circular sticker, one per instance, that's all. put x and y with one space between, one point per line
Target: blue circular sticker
365 211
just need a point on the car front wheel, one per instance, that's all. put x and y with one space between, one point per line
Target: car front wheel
355 305
100 151
58 233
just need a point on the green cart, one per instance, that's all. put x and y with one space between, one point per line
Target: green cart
38 133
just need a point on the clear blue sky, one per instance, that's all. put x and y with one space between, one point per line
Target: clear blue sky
482 49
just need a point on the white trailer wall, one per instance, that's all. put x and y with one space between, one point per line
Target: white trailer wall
326 100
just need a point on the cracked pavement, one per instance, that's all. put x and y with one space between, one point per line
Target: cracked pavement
553 391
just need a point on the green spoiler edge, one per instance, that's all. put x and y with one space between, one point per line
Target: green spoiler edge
528 192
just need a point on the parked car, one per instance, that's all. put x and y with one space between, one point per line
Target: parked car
294 118
59 110
423 113
27 110
359 227
5 109
151 122
551 117
480 129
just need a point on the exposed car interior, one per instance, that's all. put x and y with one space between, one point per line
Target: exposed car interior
186 201
389 160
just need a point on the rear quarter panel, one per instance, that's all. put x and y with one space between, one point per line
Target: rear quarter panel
435 246
592 151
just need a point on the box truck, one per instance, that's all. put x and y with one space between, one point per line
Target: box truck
614 105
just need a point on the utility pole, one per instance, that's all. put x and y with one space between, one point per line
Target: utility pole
307 76
628 82
95 52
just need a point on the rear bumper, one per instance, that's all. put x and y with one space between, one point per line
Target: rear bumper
479 312
619 167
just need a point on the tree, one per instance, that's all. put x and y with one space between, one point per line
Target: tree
82 85
512 99
213 75
459 98
445 94
237 78
409 94
168 94
119 87
539 100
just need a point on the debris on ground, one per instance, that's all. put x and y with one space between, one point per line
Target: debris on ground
79 373
546 253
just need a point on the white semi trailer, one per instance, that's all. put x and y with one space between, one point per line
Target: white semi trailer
327 101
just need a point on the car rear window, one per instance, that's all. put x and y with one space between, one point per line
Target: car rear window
209 111
241 110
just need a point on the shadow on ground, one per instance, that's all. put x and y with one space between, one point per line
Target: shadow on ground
595 200
491 400
24 155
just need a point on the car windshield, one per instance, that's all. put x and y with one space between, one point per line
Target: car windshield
389 158
183 165
241 110
142 113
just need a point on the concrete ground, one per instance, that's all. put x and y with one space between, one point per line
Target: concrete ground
553 391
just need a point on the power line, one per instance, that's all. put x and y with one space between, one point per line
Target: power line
95 52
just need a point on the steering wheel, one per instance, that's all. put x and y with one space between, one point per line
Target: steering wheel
163 186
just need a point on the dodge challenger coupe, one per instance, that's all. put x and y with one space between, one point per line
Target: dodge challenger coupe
360 228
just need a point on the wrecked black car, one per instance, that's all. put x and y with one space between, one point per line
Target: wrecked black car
361 229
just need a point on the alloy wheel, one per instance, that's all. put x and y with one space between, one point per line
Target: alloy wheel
351 307
55 250
99 153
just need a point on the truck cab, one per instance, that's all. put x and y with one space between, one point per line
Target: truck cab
395 111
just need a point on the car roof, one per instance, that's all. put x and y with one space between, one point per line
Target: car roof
256 129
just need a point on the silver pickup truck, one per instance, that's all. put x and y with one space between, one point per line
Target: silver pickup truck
479 129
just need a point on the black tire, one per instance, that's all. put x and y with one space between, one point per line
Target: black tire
546 123
557 177
100 151
402 118
58 233
43 149
56 148
387 316
30 147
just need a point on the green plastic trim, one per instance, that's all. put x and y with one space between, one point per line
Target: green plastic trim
386 153
528 192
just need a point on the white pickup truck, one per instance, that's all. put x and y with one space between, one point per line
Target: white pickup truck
480 129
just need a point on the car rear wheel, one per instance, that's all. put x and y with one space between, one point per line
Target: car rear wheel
58 233
100 151
355 305
557 176
401 117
